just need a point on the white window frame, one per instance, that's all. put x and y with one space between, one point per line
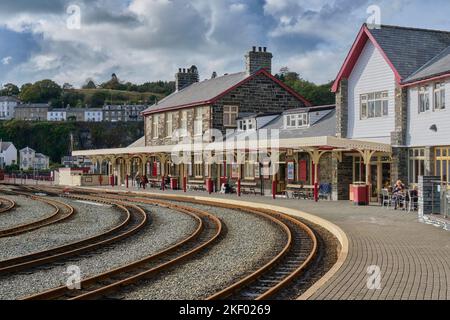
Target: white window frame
439 96
155 126
169 124
183 123
230 113
374 105
198 121
297 120
246 124
424 99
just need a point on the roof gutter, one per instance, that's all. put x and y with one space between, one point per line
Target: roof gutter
417 82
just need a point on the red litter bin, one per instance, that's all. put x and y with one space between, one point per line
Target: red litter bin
361 195
173 183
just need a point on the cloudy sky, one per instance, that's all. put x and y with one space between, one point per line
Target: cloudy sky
147 40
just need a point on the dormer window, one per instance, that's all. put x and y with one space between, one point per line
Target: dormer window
246 124
296 120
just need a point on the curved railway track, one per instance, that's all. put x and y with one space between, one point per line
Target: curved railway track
268 282
209 230
6 205
135 220
273 278
61 212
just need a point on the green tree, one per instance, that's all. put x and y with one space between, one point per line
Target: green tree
316 94
90 84
10 89
41 92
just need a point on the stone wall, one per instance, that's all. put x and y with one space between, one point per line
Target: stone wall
326 168
256 60
342 109
259 95
398 137
342 177
176 124
399 165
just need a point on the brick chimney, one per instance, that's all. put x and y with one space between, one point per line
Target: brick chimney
184 78
257 59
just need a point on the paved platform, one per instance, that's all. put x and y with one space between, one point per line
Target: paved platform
413 257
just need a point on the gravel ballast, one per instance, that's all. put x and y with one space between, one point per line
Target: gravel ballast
250 242
165 228
88 220
26 211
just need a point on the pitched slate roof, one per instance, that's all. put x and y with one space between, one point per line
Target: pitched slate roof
406 50
409 48
435 67
8 99
200 91
325 126
4 145
207 91
138 143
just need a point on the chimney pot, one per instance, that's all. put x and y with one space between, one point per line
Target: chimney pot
184 70
260 49
265 49
254 49
179 70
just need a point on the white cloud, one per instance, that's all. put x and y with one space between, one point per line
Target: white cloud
7 60
146 40
238 7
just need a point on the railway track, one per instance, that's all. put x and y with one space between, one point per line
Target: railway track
6 205
61 212
209 230
135 220
269 281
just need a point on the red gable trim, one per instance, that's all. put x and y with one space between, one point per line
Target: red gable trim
213 100
353 56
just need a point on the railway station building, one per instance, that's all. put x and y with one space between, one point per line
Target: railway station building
390 122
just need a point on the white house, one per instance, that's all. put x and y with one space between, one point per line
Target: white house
57 115
29 160
93 115
7 107
393 88
8 154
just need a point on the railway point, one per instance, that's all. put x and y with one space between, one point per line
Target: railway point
225 180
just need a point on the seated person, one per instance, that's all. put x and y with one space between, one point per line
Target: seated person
398 193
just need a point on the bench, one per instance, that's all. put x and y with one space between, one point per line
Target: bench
196 185
298 191
154 183
248 187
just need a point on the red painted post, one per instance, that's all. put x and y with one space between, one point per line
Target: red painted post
184 184
209 185
111 180
163 185
126 183
274 189
239 187
316 191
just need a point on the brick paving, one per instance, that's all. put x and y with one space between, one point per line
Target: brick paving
414 258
